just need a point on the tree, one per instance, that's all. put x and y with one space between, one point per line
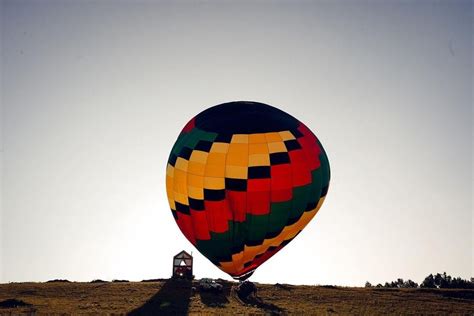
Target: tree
399 283
441 281
445 281
410 284
428 282
458 283
367 284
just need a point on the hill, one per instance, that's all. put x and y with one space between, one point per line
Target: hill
181 297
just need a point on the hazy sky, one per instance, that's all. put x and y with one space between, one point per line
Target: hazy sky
94 94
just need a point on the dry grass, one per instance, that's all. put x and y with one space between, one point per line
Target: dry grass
178 297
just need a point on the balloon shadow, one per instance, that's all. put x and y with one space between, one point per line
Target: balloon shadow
172 298
216 298
268 308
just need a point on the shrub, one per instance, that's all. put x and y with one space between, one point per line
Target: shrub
58 281
98 281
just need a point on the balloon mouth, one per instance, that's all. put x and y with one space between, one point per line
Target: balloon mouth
244 276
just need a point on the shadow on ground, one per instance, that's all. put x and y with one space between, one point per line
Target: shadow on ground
453 293
216 299
268 308
172 298
16 307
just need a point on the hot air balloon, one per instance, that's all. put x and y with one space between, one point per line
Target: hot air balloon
242 180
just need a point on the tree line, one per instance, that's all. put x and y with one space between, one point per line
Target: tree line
437 281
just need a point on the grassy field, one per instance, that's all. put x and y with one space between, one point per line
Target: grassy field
180 297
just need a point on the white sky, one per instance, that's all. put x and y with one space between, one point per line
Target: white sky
94 95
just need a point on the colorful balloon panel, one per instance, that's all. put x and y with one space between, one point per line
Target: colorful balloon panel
242 180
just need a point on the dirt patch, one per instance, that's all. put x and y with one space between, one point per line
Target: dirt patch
177 297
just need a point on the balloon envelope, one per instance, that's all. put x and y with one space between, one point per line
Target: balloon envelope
242 180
